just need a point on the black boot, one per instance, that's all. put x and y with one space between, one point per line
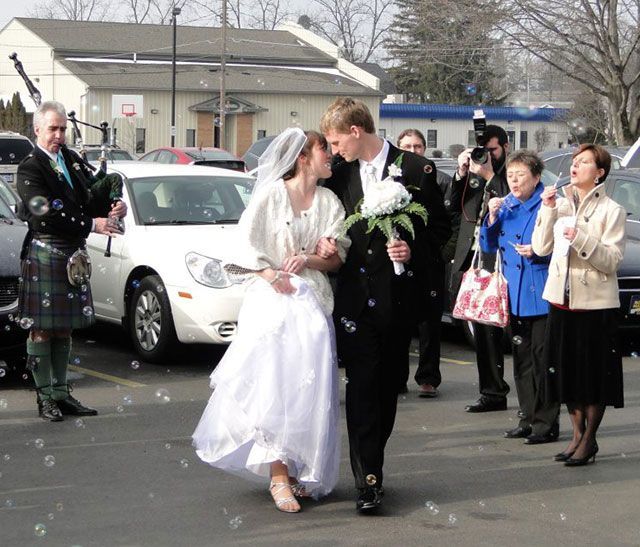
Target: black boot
47 407
70 406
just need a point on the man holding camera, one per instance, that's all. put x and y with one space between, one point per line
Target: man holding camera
479 177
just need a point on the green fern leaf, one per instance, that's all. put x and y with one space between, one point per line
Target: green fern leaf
405 222
386 226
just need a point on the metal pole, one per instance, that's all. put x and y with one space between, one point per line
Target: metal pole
176 11
222 109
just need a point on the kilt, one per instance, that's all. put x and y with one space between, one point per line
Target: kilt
45 294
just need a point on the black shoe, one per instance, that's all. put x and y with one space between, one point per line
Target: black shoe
518 432
550 436
369 499
72 407
576 462
487 404
563 456
48 410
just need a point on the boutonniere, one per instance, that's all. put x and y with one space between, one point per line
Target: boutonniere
57 169
395 172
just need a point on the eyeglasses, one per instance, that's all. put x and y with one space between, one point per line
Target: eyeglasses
578 163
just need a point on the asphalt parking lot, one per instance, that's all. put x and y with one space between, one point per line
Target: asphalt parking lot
129 476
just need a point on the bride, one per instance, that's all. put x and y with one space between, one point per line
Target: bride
274 410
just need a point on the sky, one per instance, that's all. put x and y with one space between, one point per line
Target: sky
11 9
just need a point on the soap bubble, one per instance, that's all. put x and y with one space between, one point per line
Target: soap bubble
162 395
59 506
135 283
350 327
453 519
552 370
87 311
127 399
26 322
3 372
39 444
39 205
235 522
57 204
371 480
79 422
135 365
432 508
119 409
371 302
167 446
634 354
49 460
563 517
517 340
76 360
474 183
184 463
40 530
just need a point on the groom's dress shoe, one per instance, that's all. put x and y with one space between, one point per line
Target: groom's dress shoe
369 499
72 407
550 436
517 433
487 404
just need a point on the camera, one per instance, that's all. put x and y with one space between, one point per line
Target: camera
479 154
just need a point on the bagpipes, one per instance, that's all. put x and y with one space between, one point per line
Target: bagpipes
102 185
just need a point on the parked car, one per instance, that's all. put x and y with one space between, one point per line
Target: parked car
8 194
164 280
214 157
559 161
12 337
623 187
94 152
13 149
252 155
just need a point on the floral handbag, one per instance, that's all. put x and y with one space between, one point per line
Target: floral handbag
483 296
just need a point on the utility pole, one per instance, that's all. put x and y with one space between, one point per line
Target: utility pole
221 104
175 12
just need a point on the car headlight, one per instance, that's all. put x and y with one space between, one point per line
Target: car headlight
207 271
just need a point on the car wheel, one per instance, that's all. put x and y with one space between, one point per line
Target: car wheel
150 320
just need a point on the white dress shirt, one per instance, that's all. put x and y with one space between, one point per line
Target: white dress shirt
378 162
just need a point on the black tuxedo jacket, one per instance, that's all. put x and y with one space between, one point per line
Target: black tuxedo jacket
367 278
37 177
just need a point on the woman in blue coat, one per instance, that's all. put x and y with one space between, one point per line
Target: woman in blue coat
508 227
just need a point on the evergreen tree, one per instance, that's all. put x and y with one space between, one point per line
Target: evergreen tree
2 114
443 51
15 116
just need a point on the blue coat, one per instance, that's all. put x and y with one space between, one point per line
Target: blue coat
526 276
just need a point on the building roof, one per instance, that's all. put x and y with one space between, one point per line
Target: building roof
463 112
387 85
254 79
123 40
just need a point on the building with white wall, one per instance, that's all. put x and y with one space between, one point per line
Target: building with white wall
103 70
446 125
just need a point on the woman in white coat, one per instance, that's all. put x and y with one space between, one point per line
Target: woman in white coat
586 233
274 412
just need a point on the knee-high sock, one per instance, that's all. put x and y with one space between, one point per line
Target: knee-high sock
60 352
41 351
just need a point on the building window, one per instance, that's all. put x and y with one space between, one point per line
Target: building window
512 139
524 142
262 133
140 140
382 133
191 137
432 138
471 138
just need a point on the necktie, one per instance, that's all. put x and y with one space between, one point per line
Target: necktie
63 167
370 177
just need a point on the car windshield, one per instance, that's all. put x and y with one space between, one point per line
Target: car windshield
13 151
209 155
112 155
189 199
7 194
548 178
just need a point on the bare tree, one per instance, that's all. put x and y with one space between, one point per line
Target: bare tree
542 136
72 10
153 11
257 14
594 42
358 27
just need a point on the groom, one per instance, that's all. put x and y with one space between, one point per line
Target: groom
375 309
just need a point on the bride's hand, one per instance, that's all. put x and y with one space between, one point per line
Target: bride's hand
295 264
283 284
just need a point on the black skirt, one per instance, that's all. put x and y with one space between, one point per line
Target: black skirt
583 358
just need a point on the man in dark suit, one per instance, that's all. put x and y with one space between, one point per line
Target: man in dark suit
61 211
375 309
472 186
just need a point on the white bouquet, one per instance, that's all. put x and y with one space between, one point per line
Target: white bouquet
385 205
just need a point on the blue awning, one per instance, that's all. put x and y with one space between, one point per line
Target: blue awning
463 112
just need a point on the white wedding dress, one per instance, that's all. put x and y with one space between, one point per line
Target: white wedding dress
276 389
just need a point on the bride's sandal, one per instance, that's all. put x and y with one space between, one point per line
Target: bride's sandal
284 503
299 491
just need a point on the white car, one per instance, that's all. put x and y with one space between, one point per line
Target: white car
164 280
